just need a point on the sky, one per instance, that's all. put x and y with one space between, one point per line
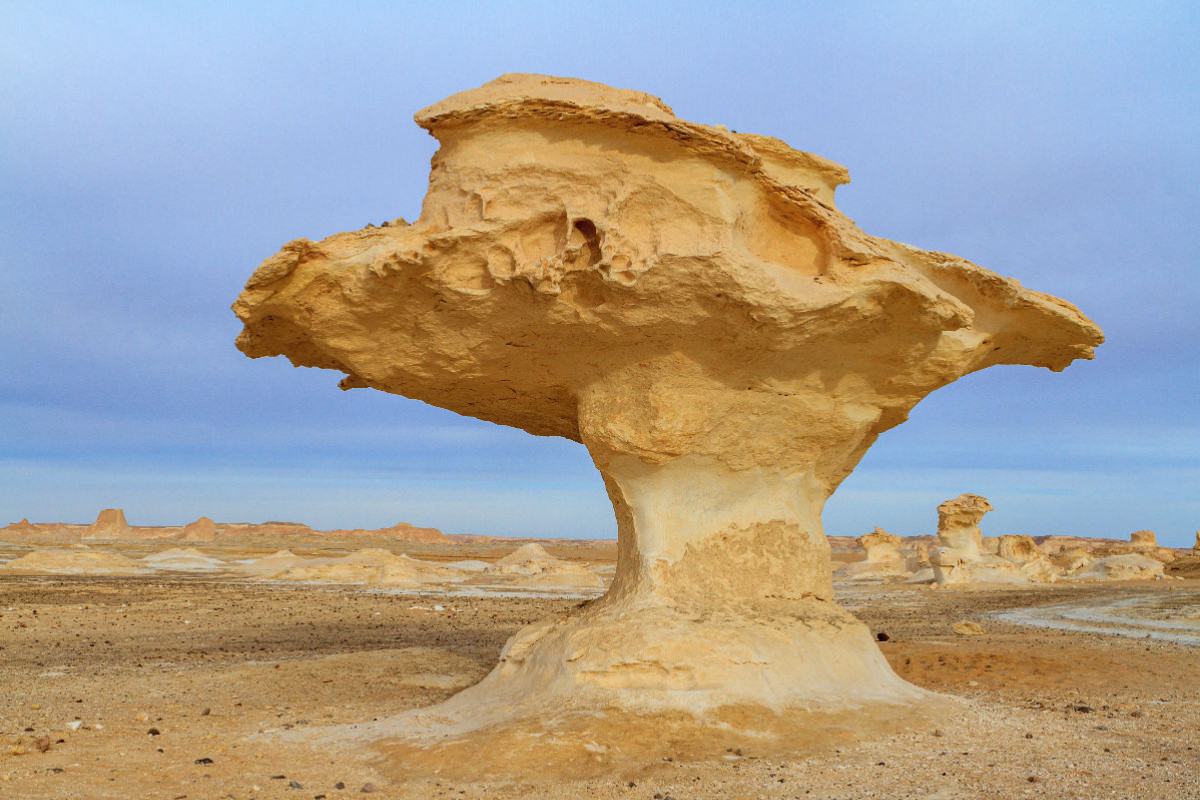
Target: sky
151 155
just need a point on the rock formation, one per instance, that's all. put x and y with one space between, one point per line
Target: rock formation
689 304
526 560
1127 567
73 561
883 559
881 546
1143 540
370 566
964 559
1196 546
110 524
958 524
1021 549
202 530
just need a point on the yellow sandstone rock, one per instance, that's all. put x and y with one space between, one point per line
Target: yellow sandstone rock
689 304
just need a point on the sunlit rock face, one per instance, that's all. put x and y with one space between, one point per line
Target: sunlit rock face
110 524
883 560
689 304
966 556
1143 540
958 524
1019 548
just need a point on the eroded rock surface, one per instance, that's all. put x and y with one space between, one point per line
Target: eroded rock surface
689 304
968 557
110 524
883 560
958 524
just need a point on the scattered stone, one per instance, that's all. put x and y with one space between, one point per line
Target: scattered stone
339 785
882 637
154 732
294 785
203 761
368 788
968 628
42 743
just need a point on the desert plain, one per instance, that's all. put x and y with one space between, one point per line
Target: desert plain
201 679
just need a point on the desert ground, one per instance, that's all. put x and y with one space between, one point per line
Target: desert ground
190 683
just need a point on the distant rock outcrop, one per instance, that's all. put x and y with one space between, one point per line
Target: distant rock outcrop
1127 567
883 561
963 559
109 525
528 559
73 561
958 524
202 530
1019 548
1143 540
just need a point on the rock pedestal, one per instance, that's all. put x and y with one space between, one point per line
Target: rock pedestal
689 304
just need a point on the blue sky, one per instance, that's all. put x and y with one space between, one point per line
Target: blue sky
152 154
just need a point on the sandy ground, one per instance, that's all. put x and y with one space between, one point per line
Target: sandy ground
180 684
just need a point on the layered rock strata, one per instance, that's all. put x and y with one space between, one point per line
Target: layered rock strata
689 304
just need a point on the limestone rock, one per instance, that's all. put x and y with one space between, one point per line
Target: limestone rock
528 559
689 304
968 627
1127 567
1021 549
202 530
1143 540
1196 546
110 524
73 561
881 546
958 524
883 561
964 558
370 566
184 559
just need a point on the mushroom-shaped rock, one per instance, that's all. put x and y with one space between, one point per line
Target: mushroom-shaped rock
958 524
689 304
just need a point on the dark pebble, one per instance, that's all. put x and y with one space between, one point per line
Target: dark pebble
882 637
203 761
153 732
339 785
294 785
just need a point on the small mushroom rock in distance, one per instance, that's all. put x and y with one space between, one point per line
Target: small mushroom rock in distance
689 304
